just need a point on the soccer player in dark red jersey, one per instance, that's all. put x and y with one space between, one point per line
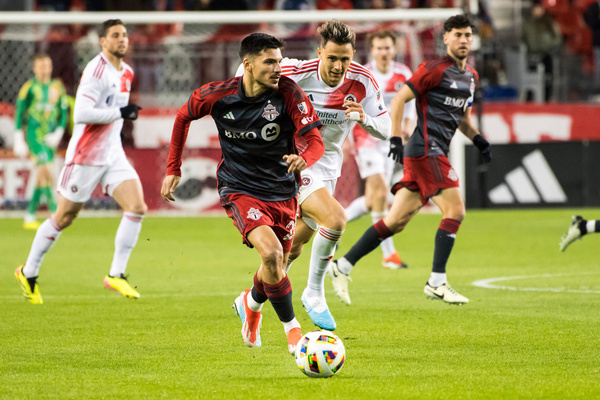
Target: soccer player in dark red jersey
259 116
444 90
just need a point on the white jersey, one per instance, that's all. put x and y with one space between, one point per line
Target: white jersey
358 85
103 90
390 84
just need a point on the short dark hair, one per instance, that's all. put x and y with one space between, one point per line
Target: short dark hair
254 43
337 32
106 25
381 34
458 22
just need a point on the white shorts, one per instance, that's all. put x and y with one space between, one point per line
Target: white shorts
311 182
76 182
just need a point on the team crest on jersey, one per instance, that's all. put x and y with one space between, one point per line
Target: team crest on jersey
306 181
291 228
254 214
452 175
270 112
350 97
302 108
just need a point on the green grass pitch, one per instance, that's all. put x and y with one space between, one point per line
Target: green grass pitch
538 338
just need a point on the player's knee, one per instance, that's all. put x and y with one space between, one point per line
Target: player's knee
337 221
140 208
272 259
65 220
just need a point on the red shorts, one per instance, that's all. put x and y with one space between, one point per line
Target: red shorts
248 212
427 175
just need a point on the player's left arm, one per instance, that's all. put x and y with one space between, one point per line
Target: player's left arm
467 129
378 125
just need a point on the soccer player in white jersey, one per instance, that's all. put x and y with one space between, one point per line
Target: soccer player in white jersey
371 155
95 155
343 93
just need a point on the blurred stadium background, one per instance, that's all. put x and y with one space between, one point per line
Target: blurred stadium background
540 113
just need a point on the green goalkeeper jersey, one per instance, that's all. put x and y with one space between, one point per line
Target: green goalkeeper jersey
42 108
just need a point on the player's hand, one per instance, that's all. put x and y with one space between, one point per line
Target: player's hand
396 149
20 148
53 139
168 187
484 148
130 111
354 111
295 162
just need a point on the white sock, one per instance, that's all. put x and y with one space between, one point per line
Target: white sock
344 266
288 326
323 247
437 279
45 237
253 304
125 240
356 209
591 226
387 246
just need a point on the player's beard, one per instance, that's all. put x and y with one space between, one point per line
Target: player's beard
118 53
460 56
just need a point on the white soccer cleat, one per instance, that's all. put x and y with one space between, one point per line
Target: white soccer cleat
444 293
339 281
572 234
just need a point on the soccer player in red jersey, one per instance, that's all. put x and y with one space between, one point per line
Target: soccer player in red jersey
259 116
444 90
95 156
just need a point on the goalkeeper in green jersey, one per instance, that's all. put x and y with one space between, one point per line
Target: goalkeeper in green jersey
41 113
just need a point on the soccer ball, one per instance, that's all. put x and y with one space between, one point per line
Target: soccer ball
320 354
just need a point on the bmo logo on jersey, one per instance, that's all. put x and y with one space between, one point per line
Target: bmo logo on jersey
270 132
450 101
241 135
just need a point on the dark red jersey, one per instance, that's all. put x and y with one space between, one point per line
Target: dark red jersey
254 133
443 93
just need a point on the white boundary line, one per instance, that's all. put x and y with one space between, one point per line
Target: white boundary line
489 283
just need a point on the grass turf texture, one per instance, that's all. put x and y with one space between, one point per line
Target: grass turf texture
182 340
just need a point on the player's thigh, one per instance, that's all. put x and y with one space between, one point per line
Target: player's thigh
122 183
130 196
322 207
405 206
450 203
266 242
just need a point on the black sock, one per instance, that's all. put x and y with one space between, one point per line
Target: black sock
444 241
280 296
368 242
597 227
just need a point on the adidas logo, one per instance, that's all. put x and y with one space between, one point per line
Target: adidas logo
534 182
229 115
454 85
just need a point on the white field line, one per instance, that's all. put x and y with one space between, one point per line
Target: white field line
490 283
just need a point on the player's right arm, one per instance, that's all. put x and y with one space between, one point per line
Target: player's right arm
88 93
195 108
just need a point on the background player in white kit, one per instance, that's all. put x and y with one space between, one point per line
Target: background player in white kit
371 155
341 92
95 155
